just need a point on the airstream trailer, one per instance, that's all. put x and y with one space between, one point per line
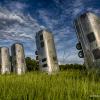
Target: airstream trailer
0 59
5 63
18 58
46 52
87 28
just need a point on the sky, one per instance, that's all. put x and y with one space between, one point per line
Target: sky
21 19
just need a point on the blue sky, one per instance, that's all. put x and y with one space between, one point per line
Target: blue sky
21 19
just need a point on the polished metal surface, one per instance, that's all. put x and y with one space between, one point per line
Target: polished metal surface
5 60
18 58
46 51
88 33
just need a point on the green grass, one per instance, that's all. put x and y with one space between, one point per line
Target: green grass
66 85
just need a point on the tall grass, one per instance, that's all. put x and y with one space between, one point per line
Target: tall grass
66 85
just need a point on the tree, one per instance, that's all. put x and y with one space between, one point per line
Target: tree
72 66
31 64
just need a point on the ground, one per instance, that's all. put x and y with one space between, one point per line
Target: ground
65 85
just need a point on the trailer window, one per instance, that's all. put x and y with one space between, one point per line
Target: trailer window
41 37
54 58
91 37
83 15
37 58
45 65
43 60
96 53
36 52
42 44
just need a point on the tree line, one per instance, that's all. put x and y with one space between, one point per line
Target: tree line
32 65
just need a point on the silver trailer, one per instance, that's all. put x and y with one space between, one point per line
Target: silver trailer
18 58
46 52
5 63
88 33
0 59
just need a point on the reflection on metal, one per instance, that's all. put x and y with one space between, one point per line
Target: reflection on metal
5 60
18 58
88 33
46 53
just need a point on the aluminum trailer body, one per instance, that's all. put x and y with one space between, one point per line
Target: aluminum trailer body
46 52
5 60
18 58
0 59
88 33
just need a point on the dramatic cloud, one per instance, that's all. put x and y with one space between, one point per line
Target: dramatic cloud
20 20
15 26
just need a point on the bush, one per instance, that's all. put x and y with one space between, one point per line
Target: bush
31 64
72 66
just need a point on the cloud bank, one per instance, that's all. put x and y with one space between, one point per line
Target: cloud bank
20 20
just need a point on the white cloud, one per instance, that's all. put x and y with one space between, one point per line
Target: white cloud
11 17
17 26
64 36
70 10
15 23
97 11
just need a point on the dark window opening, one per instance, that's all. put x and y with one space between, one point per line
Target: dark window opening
36 52
43 60
83 15
45 65
96 53
41 37
37 58
91 37
42 44
18 50
54 58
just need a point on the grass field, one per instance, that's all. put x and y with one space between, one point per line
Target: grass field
66 85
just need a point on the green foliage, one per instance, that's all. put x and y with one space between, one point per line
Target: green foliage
72 66
31 64
0 66
65 85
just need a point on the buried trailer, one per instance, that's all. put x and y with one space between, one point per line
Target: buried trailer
18 58
46 52
87 28
5 63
